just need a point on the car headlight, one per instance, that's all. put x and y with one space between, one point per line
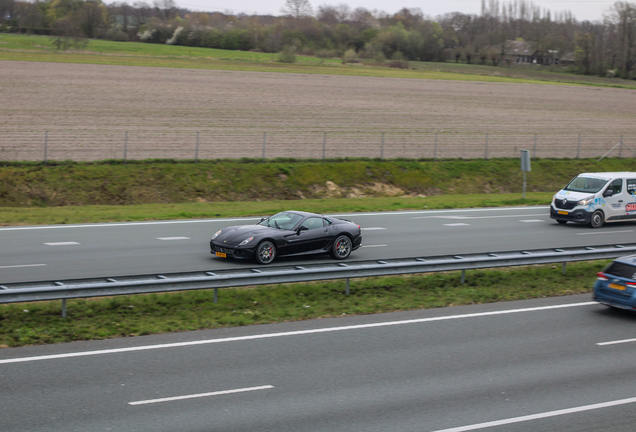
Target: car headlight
553 198
586 201
246 241
216 234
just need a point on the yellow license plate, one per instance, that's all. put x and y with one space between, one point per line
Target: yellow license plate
617 287
562 212
221 254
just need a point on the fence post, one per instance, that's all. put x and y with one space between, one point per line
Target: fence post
125 147
578 148
435 148
534 151
324 145
486 154
196 153
46 145
620 149
264 144
382 148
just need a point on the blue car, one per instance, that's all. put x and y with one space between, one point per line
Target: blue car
616 285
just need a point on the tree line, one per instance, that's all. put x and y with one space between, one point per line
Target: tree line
601 47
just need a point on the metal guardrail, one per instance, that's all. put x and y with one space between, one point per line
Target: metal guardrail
111 286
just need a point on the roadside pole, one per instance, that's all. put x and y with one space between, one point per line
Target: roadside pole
525 167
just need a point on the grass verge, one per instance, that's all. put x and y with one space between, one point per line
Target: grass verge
142 212
125 316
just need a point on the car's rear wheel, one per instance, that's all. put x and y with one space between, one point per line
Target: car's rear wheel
341 248
597 219
265 252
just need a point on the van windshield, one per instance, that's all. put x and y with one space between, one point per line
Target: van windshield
586 184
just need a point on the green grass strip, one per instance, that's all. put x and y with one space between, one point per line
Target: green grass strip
124 316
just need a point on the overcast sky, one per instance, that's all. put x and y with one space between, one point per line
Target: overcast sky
590 10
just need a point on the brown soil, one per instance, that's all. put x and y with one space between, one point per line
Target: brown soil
98 112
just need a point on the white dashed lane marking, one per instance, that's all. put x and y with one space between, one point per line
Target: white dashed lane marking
365 246
373 229
604 232
173 238
200 395
457 224
22 265
61 243
532 220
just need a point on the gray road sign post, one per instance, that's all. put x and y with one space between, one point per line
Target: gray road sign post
525 167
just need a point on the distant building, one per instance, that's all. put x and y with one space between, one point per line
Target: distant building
522 52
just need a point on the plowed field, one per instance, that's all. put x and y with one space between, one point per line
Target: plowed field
90 112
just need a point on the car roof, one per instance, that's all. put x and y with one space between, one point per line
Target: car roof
302 213
629 259
609 175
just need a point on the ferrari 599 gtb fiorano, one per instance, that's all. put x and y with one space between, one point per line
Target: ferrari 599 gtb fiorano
288 233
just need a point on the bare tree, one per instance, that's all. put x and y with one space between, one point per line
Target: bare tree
624 15
297 9
166 9
6 10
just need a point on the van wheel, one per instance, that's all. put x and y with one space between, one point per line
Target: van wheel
597 219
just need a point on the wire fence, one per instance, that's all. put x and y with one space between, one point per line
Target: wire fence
138 145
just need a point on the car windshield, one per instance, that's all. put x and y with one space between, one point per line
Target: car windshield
586 184
282 220
621 270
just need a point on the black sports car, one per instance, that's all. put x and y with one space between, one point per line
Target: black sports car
285 234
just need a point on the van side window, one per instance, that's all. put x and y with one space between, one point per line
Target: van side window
616 186
631 186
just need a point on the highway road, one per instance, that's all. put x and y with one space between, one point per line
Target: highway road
58 252
558 364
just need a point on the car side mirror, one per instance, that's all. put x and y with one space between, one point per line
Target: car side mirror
302 228
608 193
262 219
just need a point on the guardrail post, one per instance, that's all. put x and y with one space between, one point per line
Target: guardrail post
63 308
347 287
463 277
216 295
563 269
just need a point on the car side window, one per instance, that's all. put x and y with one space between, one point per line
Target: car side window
631 186
616 186
313 223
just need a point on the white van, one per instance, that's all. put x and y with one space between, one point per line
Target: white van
596 198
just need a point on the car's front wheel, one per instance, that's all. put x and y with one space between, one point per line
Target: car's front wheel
265 252
597 219
341 248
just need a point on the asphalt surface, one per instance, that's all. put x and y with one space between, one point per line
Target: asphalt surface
534 365
117 249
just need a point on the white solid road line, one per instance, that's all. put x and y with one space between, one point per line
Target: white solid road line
22 265
477 217
173 238
539 416
191 221
291 333
616 342
605 232
61 243
200 395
